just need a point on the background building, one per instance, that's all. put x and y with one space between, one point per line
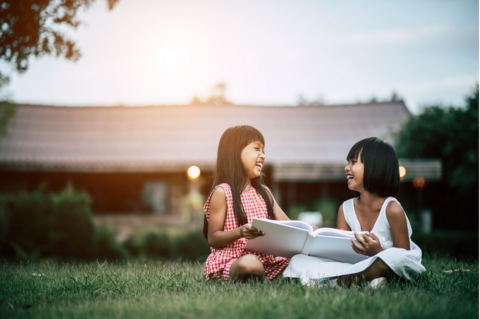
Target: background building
134 159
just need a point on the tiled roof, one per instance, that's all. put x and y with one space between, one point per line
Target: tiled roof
162 138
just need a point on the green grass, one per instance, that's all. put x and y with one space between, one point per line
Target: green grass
177 289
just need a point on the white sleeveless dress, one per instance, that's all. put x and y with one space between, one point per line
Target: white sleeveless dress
405 263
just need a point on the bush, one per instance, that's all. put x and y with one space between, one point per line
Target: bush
60 225
461 245
107 247
192 246
133 245
328 208
162 244
296 210
157 244
28 218
38 224
71 229
4 224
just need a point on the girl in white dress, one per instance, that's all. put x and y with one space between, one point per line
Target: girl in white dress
373 175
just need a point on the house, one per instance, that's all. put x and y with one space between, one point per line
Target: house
134 159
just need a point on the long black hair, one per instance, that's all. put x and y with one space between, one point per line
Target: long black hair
381 174
230 169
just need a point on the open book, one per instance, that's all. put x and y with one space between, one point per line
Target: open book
287 238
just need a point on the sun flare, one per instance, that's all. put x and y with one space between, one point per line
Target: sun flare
174 59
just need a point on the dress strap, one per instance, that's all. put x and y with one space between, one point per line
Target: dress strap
350 217
227 189
383 210
382 219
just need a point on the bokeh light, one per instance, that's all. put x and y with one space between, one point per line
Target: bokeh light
418 182
193 172
403 171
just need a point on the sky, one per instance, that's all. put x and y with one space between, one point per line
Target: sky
156 52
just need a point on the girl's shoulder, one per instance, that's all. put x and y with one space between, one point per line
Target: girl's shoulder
223 188
393 205
219 192
394 209
218 197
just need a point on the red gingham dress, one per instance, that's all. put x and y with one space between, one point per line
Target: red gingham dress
220 260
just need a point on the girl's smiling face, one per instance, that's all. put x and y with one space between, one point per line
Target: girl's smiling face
354 171
253 159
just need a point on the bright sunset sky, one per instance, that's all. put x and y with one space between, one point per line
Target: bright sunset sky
153 52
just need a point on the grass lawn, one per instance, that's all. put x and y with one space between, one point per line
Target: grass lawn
176 289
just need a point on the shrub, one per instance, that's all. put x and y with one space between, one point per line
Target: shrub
4 224
71 229
191 246
107 247
296 210
157 244
162 244
29 217
133 245
461 245
60 225
328 208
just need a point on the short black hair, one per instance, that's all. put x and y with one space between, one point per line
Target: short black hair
381 171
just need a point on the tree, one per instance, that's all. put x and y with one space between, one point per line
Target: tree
451 134
395 97
302 101
31 28
217 97
7 108
7 112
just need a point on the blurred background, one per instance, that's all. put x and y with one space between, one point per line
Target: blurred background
111 113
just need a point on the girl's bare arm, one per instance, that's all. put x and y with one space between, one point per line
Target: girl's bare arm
277 211
398 225
217 237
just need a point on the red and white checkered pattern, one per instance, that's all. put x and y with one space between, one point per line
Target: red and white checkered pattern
220 260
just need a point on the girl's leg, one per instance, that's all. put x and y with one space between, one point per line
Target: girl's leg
376 270
245 267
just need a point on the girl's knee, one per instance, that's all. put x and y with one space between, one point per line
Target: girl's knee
250 265
380 264
380 268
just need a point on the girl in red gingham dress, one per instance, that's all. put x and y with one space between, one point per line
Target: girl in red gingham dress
238 196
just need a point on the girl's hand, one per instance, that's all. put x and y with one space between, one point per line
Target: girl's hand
369 246
250 232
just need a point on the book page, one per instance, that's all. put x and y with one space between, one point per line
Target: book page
333 232
335 248
289 223
308 244
280 239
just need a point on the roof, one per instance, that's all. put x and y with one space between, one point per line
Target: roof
168 138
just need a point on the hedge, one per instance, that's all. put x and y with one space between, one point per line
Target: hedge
39 224
42 225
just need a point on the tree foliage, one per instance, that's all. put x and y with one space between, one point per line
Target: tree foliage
7 113
31 28
7 108
451 134
217 97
